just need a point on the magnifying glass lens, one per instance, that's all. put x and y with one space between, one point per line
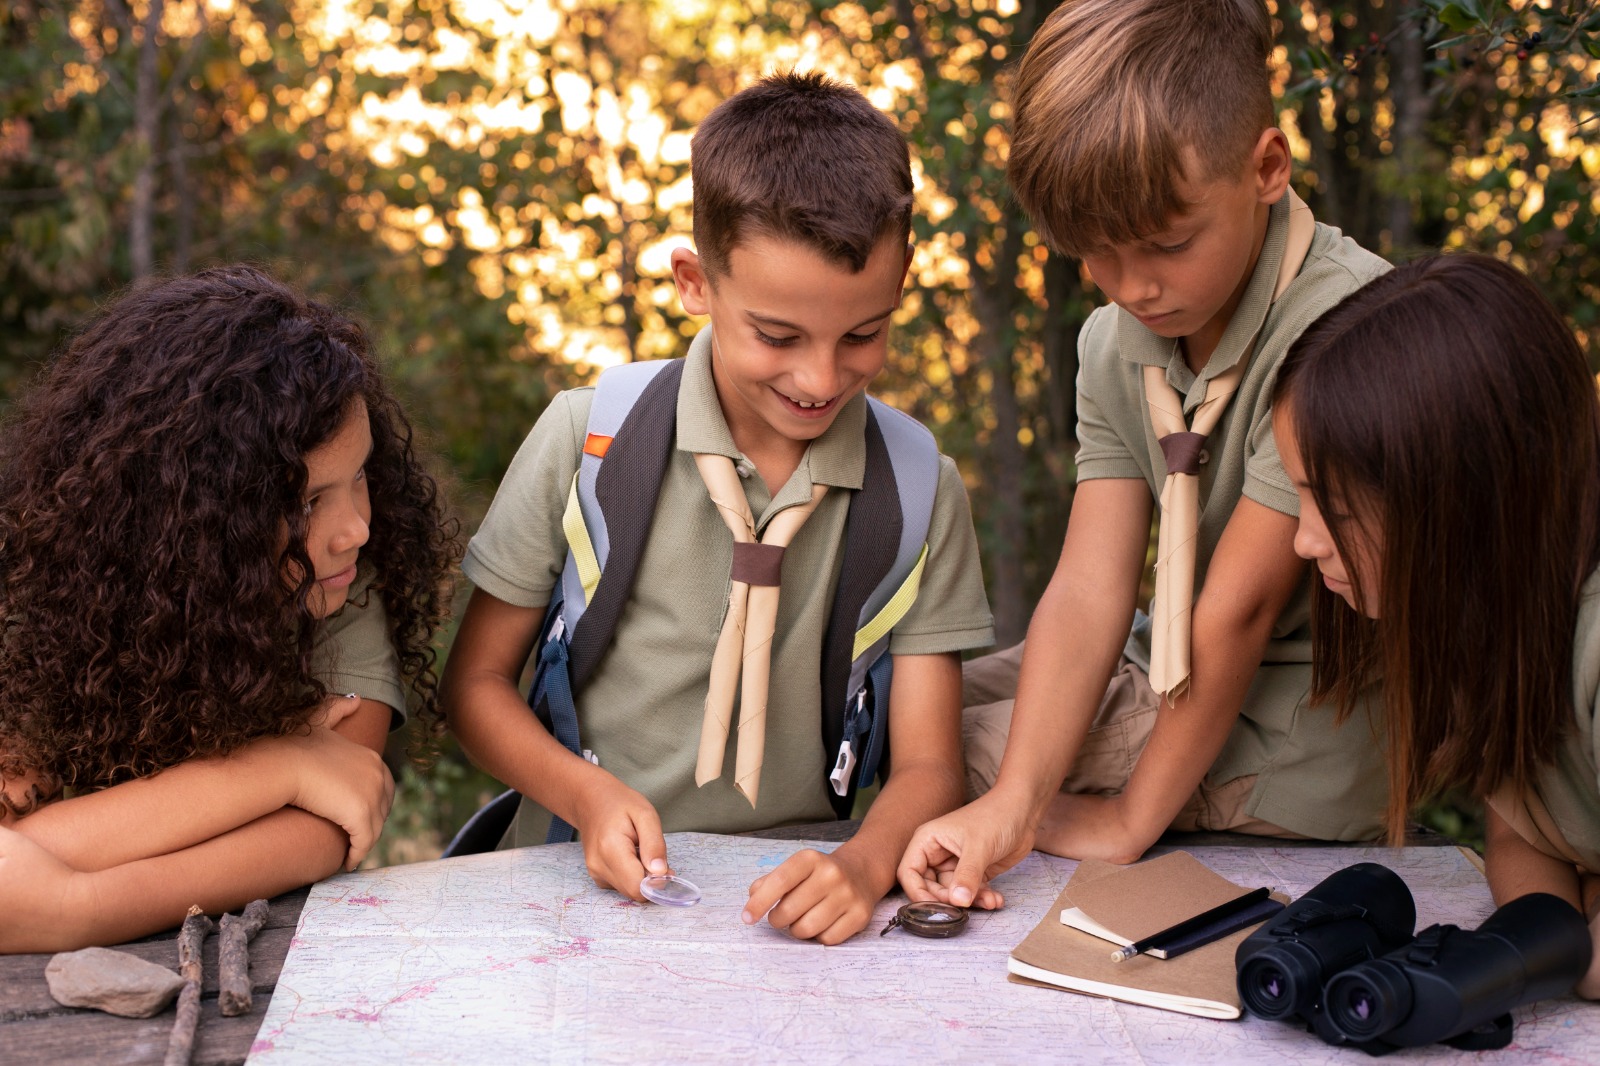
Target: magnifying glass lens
669 890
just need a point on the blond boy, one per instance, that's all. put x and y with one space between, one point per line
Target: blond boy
1145 146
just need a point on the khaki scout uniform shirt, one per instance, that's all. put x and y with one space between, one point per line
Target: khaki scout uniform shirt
353 652
641 711
1314 778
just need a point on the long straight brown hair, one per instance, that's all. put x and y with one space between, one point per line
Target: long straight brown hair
1448 402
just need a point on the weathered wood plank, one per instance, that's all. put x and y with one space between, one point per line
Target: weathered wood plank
37 1031
93 1037
23 992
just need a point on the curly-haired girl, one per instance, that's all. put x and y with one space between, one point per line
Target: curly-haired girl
221 568
1444 434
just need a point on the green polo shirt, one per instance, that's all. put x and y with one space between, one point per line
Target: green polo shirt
353 651
1313 777
1570 785
641 712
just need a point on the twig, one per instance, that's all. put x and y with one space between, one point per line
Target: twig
233 958
190 939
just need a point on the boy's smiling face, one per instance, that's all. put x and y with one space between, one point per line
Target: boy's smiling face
795 335
1187 281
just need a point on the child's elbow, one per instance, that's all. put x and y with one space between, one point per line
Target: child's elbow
455 694
1234 613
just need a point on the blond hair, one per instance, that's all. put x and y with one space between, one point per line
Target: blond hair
1115 97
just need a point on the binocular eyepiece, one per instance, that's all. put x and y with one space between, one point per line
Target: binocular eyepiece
1357 914
1343 958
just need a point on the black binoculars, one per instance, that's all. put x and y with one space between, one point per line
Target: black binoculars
1343 959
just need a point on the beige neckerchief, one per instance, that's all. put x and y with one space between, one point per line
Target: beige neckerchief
1181 446
747 629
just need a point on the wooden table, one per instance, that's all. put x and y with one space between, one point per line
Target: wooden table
35 1029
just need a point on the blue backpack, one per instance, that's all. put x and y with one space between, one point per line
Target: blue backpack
610 508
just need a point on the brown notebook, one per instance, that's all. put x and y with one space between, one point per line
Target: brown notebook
1129 903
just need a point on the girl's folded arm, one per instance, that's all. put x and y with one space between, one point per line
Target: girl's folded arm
53 908
340 778
1516 868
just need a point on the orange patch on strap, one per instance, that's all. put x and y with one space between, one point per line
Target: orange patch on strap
596 445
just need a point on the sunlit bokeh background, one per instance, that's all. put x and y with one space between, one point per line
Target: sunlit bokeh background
496 186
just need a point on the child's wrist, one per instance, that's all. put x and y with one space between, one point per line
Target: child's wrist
870 872
591 793
272 759
1018 803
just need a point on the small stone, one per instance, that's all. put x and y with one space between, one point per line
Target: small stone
112 981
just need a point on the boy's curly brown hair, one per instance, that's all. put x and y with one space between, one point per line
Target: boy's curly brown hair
147 481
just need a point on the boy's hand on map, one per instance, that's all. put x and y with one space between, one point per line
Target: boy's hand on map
340 780
952 859
621 834
43 898
812 896
944 879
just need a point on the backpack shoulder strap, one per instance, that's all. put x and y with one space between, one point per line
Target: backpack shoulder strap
632 424
914 457
616 395
885 538
610 507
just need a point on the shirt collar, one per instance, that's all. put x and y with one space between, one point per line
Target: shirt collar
1138 344
838 458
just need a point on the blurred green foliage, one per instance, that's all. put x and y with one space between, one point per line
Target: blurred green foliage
495 184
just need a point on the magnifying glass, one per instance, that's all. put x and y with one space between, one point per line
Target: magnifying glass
669 890
935 920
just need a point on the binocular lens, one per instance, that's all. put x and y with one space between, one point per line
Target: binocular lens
1275 984
1366 1001
1353 915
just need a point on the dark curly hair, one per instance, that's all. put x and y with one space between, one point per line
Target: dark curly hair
146 481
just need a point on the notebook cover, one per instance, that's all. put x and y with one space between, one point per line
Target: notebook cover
1137 901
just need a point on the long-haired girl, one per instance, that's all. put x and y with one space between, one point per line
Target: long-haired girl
1444 432
221 568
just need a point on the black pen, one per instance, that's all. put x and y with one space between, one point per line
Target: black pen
1217 916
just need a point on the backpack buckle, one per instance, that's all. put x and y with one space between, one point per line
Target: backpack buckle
843 767
854 724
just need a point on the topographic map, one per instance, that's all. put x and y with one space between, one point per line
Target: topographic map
517 957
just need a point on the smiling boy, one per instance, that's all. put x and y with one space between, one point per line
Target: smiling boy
802 209
1145 146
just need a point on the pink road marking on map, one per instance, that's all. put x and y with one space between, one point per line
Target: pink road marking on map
350 1014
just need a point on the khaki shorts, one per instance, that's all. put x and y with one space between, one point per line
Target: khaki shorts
1105 762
